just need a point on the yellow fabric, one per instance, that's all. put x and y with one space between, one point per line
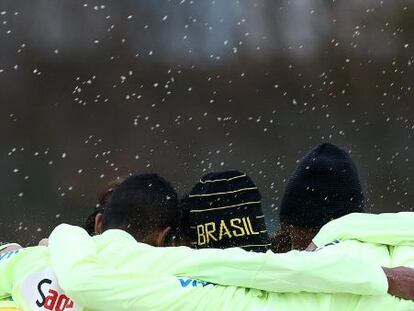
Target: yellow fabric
393 229
114 272
7 305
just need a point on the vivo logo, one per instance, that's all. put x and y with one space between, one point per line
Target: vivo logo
186 282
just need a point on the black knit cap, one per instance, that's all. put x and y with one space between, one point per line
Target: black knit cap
224 210
325 186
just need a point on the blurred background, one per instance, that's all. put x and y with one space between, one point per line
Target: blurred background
95 90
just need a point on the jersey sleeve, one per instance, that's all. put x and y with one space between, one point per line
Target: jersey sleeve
394 229
80 268
93 282
8 272
326 271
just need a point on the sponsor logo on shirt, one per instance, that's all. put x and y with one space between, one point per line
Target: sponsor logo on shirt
41 292
186 283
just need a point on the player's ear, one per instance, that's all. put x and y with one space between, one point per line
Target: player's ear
162 237
98 223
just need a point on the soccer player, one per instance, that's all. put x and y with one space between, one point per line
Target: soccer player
144 205
224 210
109 270
103 198
324 186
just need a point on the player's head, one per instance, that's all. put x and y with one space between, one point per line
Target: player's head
224 210
183 232
103 198
144 205
324 186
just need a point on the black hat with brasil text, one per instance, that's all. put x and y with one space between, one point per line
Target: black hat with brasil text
224 210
